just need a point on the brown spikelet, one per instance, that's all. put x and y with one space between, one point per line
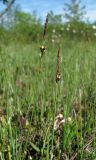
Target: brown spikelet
45 27
58 59
58 75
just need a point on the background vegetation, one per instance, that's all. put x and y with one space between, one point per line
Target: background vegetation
25 27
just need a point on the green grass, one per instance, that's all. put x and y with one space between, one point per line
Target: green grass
31 100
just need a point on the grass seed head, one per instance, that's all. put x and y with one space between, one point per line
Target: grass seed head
58 75
45 27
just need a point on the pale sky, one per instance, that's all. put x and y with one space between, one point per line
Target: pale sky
42 7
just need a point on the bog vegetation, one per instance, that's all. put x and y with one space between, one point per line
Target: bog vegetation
47 87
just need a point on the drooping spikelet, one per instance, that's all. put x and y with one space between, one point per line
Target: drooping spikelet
58 75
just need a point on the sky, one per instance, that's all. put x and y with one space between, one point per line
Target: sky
42 7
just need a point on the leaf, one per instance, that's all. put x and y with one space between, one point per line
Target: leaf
35 147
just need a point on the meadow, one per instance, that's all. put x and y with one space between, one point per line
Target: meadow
41 119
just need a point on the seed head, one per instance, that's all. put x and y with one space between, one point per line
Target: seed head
45 27
58 75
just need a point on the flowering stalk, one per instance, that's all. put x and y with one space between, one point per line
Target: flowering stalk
45 27
58 75
43 48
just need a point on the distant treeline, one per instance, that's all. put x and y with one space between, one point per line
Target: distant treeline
24 27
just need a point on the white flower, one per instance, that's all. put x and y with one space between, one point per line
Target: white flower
53 40
94 26
74 31
53 31
69 119
67 29
30 157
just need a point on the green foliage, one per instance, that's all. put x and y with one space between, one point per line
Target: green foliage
27 26
4 1
21 26
54 19
73 11
31 101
